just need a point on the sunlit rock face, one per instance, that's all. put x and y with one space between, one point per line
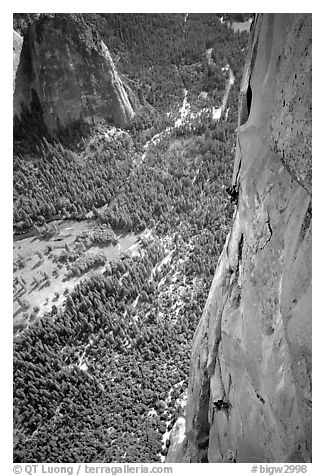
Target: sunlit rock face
67 71
250 380
177 441
17 46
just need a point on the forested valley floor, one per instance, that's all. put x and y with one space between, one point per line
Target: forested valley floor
102 375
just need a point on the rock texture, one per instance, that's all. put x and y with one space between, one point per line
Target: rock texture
250 381
177 440
67 72
17 46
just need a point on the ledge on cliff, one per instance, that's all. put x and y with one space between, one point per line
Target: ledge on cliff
70 70
250 380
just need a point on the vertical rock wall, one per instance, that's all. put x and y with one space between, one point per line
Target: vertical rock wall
71 73
250 380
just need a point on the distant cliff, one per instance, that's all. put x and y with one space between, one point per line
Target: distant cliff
66 72
17 46
250 380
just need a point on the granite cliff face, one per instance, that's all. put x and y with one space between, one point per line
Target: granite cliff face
250 380
17 46
67 72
